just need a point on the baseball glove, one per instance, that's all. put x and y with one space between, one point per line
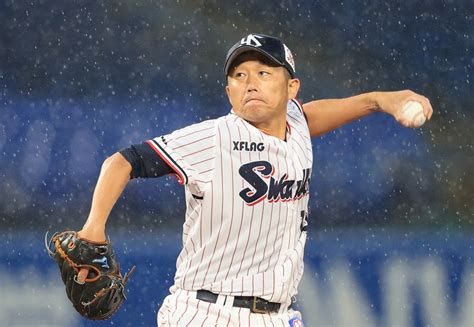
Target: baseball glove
103 290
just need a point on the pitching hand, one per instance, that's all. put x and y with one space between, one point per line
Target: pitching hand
392 103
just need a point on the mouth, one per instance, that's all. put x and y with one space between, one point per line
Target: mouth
253 100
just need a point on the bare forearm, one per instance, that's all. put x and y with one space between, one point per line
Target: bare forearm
326 115
114 176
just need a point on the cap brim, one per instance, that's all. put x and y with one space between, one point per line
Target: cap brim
246 48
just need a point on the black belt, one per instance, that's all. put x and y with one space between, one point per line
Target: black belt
255 304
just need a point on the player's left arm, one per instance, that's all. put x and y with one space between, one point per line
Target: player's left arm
324 116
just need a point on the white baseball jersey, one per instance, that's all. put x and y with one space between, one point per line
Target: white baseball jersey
247 199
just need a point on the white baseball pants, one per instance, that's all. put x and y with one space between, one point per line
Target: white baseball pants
183 309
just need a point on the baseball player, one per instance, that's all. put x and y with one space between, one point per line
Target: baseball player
246 177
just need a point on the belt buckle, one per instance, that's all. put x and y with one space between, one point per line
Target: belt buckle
254 308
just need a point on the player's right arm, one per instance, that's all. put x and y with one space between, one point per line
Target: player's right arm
114 176
138 160
135 161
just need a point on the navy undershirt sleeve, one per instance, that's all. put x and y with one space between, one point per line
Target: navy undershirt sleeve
146 163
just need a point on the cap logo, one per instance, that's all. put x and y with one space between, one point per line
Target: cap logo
252 40
289 57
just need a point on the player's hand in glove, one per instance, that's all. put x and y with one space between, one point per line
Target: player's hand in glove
93 234
100 290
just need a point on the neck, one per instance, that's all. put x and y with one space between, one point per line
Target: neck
275 128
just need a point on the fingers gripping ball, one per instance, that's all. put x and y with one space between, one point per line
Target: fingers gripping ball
103 290
412 113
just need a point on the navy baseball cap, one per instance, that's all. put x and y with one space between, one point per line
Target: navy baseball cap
271 47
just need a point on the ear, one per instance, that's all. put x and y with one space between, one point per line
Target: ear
293 87
227 90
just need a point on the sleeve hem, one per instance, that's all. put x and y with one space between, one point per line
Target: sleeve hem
179 172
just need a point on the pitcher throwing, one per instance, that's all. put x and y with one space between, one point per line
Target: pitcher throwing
246 177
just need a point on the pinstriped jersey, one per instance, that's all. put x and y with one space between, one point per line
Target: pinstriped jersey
247 201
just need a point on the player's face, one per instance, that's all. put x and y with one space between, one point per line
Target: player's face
259 92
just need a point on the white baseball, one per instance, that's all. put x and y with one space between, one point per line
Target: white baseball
412 112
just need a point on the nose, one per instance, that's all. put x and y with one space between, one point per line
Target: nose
252 83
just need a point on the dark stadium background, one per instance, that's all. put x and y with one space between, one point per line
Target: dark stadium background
80 80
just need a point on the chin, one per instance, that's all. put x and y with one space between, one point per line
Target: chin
255 108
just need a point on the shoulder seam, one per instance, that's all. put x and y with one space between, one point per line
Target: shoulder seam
298 104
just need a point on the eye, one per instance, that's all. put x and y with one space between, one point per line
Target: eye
264 73
238 75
